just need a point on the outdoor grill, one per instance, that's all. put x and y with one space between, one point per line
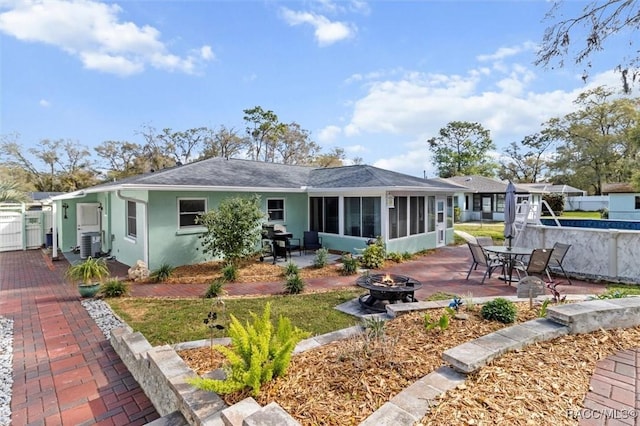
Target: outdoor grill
386 289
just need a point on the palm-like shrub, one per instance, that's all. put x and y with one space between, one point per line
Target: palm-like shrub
259 352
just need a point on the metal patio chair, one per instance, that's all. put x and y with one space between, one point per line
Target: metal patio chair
480 258
559 252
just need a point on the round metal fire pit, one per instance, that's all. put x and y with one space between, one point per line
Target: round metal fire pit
385 289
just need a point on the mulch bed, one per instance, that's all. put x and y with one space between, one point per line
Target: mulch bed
344 382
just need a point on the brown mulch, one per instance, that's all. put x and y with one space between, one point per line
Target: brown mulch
346 381
249 271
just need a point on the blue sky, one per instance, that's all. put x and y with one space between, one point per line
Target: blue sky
376 78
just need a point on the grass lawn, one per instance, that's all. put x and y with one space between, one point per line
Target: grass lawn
167 321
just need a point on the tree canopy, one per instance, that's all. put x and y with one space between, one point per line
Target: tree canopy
462 148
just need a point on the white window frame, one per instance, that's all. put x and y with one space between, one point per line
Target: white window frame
131 235
180 213
284 209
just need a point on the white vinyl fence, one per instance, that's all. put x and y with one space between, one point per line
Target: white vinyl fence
587 203
22 229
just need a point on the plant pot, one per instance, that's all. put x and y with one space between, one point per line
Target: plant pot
88 290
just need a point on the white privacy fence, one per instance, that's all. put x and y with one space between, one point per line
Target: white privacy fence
22 229
590 203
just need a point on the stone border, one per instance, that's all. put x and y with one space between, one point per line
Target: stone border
163 375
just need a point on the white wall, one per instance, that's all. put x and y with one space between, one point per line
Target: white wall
589 203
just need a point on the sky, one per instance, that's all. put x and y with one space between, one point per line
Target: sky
375 78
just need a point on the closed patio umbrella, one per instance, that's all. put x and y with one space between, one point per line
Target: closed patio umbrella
510 212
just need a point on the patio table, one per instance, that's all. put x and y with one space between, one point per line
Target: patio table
509 254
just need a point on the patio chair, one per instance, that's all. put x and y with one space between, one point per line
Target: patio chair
480 258
537 265
311 241
559 252
485 241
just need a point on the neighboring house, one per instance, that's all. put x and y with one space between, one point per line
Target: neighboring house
624 201
151 217
482 198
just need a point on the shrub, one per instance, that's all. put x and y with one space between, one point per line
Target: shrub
407 256
114 288
556 202
349 264
230 272
604 213
163 273
613 294
499 309
215 289
294 284
321 259
258 353
395 257
291 269
374 327
374 254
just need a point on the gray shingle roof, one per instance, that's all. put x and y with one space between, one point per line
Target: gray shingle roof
230 173
487 185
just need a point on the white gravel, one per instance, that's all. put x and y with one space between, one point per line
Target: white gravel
101 313
6 369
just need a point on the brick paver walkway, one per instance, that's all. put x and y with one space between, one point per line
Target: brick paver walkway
65 371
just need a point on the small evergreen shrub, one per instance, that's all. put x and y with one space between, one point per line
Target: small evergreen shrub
294 284
373 255
395 257
349 264
163 273
230 272
215 289
407 256
114 288
291 269
499 309
258 353
604 213
321 259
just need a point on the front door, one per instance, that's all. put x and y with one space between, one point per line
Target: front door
441 222
88 218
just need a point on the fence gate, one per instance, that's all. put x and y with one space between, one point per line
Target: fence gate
10 231
34 229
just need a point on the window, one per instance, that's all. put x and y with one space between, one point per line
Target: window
362 216
398 218
500 202
323 214
449 212
477 202
275 209
637 202
416 215
189 209
132 221
431 211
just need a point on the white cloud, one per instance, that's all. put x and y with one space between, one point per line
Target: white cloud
329 134
93 32
506 52
44 103
326 32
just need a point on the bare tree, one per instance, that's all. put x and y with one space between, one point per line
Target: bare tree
224 142
580 36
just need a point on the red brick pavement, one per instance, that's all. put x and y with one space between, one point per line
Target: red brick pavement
65 371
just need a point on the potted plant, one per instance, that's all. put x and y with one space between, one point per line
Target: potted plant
89 274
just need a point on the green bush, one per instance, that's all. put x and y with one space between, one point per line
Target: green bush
294 284
215 289
321 259
556 202
395 257
349 264
499 309
114 288
604 213
291 269
230 272
373 255
163 273
258 353
407 256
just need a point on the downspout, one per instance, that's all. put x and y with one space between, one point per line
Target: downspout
54 231
145 239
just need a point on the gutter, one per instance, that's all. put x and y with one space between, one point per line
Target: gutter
145 229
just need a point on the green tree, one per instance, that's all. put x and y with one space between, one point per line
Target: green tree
462 148
120 158
295 145
334 158
580 36
595 146
527 161
10 192
181 145
265 130
234 229
224 142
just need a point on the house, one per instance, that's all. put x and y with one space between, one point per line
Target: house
481 198
624 201
151 217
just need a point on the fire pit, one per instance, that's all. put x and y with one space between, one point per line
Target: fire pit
385 289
